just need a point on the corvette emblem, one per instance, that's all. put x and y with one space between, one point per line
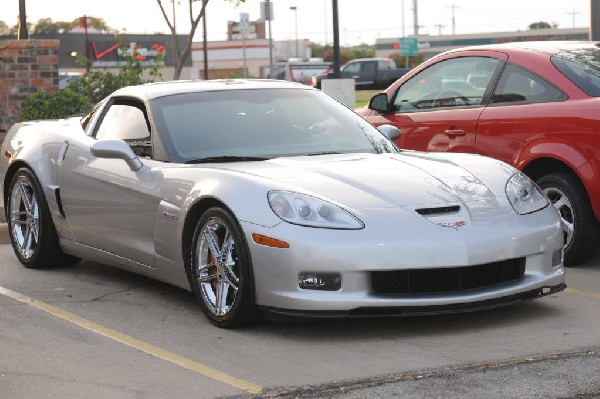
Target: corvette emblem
455 225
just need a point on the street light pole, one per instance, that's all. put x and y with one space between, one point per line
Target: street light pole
295 9
22 32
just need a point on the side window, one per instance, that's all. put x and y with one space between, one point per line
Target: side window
352 68
457 82
517 85
126 120
368 68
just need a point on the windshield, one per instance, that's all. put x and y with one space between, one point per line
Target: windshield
262 123
581 67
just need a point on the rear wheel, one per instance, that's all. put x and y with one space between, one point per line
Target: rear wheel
569 197
222 276
32 231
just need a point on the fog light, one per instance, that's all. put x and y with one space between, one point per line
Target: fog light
320 281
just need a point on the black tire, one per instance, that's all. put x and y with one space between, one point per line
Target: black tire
32 232
568 195
218 234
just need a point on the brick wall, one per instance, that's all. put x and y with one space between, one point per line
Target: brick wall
26 67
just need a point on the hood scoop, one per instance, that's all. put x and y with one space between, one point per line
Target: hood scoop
438 210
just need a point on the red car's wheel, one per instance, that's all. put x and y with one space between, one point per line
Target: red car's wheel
568 196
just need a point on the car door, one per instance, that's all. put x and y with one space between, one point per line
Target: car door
524 107
437 109
363 73
107 205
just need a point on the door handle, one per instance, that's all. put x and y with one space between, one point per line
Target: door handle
455 133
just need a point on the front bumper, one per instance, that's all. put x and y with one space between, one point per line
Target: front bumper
365 312
388 243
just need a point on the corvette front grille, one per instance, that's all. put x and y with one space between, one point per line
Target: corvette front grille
453 279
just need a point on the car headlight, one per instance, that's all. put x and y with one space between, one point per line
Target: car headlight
305 210
524 196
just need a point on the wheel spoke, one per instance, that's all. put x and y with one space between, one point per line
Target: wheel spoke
207 278
221 298
26 241
562 201
24 196
212 242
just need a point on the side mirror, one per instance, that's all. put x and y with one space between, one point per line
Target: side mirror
379 103
389 131
116 149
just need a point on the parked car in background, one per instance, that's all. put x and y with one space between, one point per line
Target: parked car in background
368 73
533 105
64 78
269 196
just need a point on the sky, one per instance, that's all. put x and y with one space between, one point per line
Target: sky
359 21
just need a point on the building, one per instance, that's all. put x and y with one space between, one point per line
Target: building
245 51
430 46
107 51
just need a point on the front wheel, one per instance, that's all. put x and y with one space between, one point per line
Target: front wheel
32 231
222 277
570 199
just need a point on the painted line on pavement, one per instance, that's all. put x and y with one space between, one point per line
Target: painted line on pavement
135 343
582 292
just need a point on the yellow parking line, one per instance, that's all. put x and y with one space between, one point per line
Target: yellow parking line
135 343
582 292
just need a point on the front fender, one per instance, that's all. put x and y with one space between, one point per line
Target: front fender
586 168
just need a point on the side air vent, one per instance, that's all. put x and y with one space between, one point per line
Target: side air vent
438 211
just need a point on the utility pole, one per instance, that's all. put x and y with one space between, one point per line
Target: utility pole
453 7
573 13
595 20
439 26
205 46
415 19
22 32
336 39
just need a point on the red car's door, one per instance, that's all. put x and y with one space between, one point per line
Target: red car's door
523 107
437 109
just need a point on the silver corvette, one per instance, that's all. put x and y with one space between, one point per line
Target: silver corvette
264 196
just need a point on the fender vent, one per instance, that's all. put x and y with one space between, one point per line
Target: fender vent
438 211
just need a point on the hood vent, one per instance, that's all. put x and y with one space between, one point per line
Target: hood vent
438 211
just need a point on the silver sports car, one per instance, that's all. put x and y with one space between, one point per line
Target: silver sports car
265 196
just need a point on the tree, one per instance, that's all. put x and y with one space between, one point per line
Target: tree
97 23
543 25
46 26
4 28
180 56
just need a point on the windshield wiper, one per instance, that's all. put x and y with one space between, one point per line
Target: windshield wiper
226 158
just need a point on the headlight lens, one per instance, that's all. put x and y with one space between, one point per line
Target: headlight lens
305 210
524 196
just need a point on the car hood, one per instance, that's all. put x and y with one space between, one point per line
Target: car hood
363 181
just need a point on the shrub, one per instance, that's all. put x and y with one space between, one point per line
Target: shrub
54 105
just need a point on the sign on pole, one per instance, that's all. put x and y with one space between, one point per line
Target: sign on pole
408 46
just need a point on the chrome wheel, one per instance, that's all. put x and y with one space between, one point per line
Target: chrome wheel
564 207
218 268
24 217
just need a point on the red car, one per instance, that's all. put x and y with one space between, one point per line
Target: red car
533 105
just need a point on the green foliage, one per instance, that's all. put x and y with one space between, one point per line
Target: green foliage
346 53
46 26
543 25
96 84
54 105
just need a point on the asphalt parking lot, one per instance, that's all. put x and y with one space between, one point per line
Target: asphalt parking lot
94 331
